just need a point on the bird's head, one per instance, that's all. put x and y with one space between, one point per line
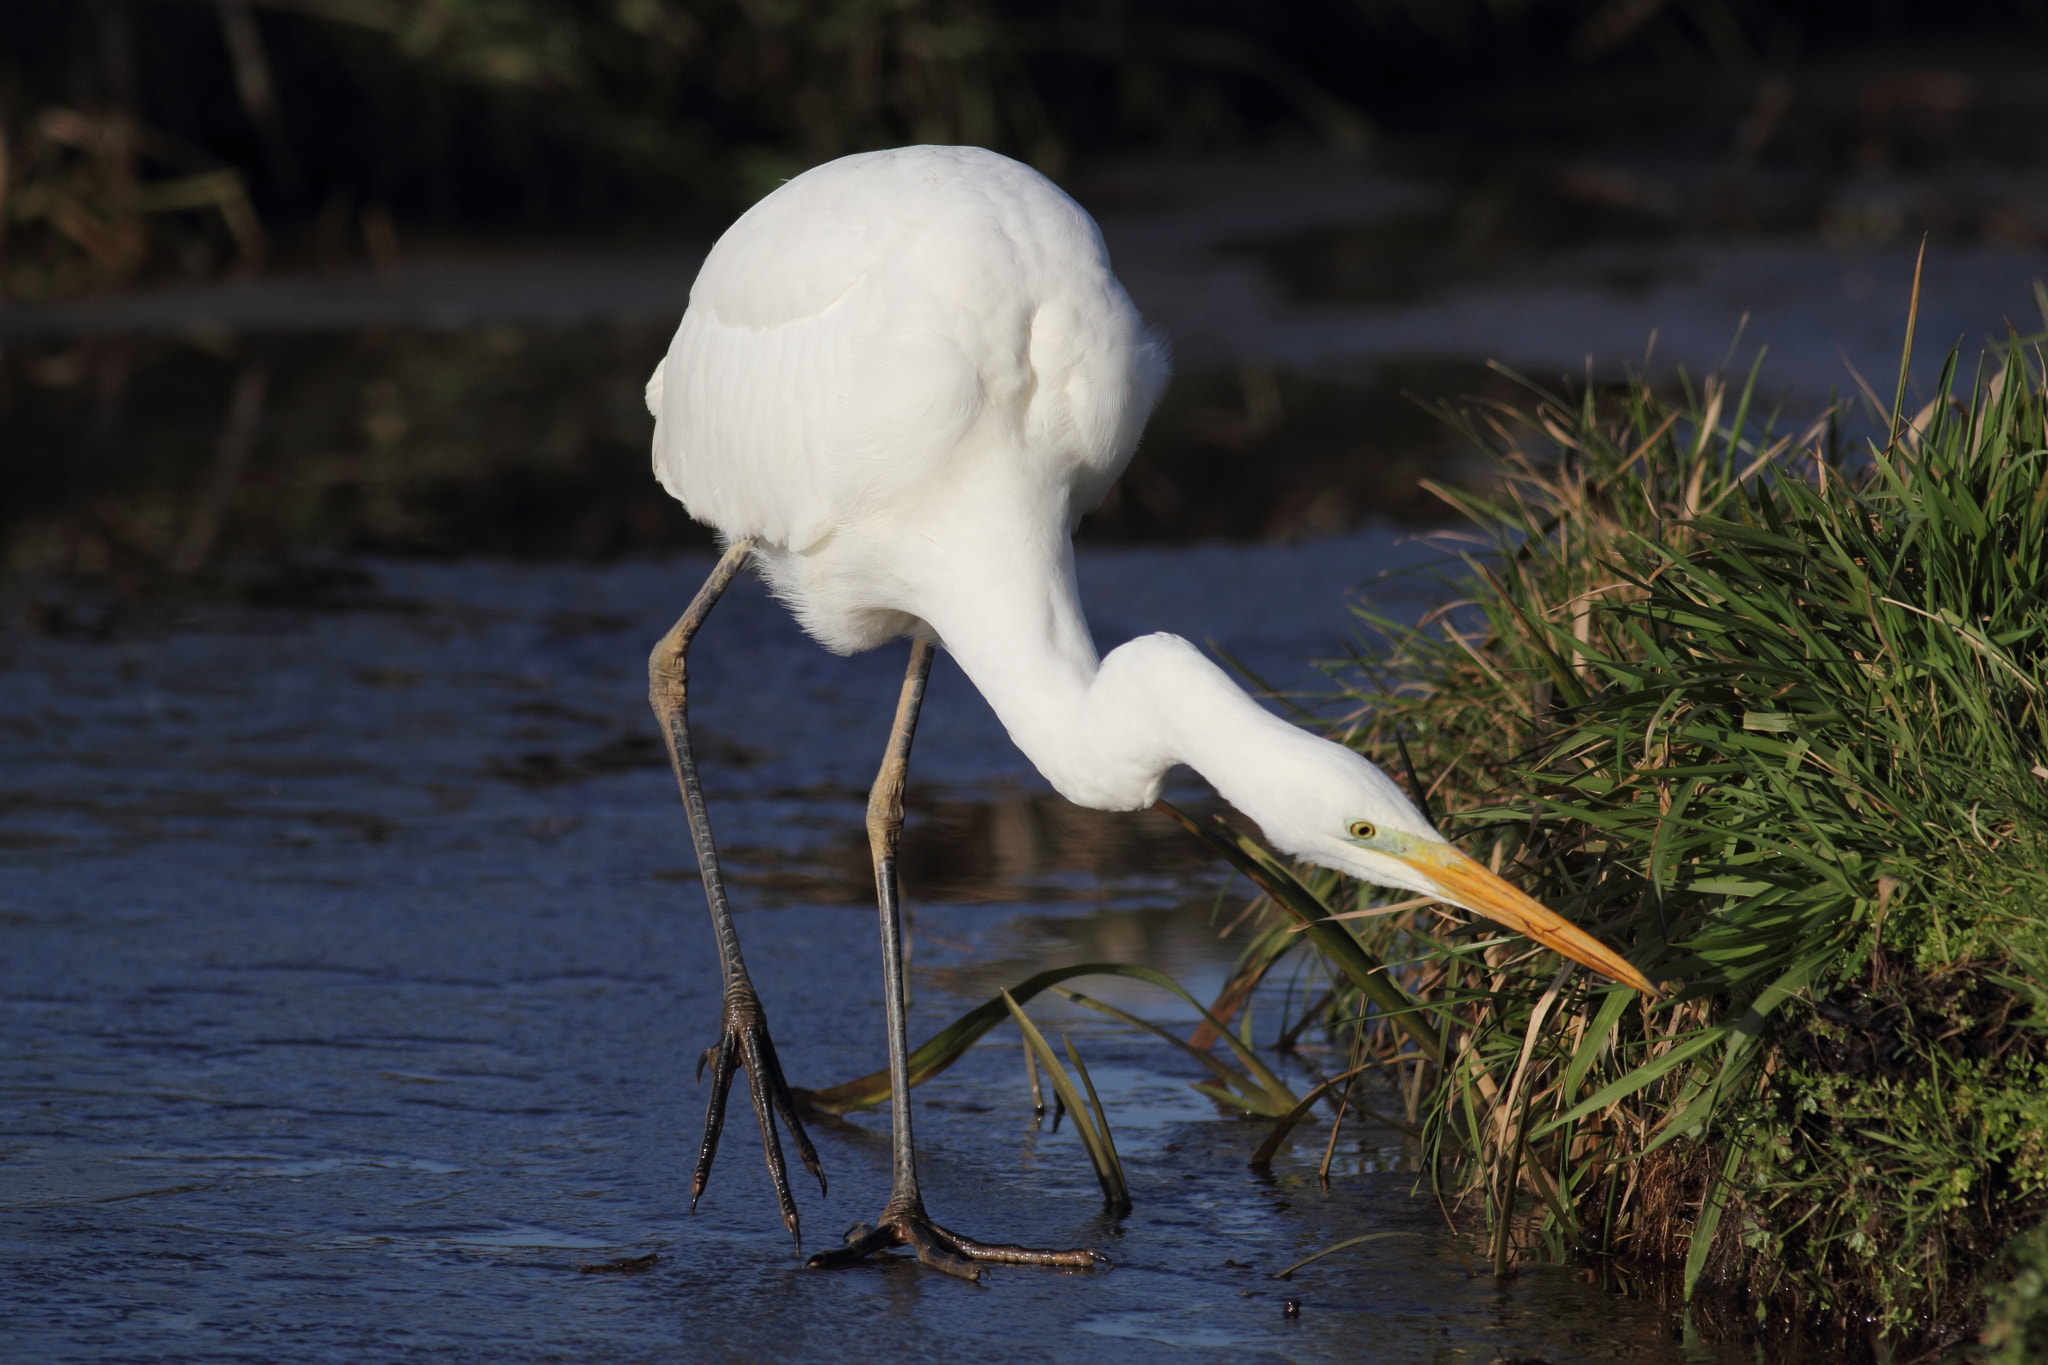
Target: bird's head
1326 805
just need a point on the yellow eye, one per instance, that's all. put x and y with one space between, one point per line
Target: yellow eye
1363 829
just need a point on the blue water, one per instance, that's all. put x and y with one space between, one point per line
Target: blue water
353 968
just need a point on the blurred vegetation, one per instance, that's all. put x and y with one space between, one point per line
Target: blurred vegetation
1771 714
165 136
2016 1327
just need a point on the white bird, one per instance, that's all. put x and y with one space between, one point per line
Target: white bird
901 380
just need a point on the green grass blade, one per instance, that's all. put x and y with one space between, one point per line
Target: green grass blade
1121 1202
1709 1222
1596 1036
1635 1080
1250 1096
1331 938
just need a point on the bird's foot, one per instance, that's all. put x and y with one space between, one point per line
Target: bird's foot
906 1224
744 1042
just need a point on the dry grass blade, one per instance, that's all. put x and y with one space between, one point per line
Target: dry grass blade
1375 911
1031 1074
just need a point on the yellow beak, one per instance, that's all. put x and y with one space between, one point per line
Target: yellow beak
1466 883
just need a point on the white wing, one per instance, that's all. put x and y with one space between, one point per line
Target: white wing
878 316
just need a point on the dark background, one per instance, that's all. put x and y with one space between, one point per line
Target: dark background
347 121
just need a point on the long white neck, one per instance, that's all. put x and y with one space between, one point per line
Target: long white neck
1103 732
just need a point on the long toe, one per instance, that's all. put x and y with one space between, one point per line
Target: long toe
944 1250
936 1254
1009 1253
862 1242
785 1107
758 1053
724 1059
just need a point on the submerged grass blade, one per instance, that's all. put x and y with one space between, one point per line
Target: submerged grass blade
1247 1094
950 1043
1335 1247
1109 1173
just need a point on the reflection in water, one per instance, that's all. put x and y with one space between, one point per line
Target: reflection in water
1016 846
533 442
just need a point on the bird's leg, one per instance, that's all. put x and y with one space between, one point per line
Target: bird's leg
904 1222
743 1040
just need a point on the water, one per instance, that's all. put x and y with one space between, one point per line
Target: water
354 969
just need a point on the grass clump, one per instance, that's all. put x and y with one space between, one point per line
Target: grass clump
1770 714
2016 1327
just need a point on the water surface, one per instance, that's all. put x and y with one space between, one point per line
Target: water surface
353 969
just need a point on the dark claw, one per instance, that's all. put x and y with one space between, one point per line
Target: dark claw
724 1058
745 1043
785 1105
862 1242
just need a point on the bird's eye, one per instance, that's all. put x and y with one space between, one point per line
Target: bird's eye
1363 829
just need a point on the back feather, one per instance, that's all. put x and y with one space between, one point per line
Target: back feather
881 317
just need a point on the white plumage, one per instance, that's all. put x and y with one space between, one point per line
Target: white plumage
907 374
887 339
901 380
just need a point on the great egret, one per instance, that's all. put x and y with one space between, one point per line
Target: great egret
901 379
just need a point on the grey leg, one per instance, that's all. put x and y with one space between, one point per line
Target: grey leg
904 1222
744 1039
